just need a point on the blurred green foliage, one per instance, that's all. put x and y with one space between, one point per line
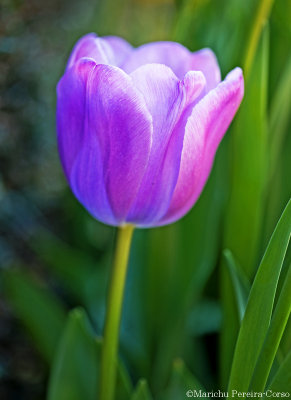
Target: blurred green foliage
186 295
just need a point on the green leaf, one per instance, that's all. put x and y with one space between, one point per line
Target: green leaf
279 164
273 337
262 14
180 382
285 342
133 328
188 9
258 313
282 379
68 264
75 370
192 243
142 391
280 114
123 383
39 310
249 166
247 196
82 276
239 281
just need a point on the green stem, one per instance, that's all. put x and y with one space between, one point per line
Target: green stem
114 306
262 15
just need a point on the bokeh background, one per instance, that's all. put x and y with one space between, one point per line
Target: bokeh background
54 256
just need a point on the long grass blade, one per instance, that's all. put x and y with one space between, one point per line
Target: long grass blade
260 306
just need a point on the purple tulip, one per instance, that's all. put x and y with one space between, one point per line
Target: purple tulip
138 128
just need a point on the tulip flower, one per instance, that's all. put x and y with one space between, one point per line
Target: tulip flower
138 130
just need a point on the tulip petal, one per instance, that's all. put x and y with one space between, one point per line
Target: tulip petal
171 54
71 110
205 61
120 47
88 185
178 58
167 99
79 163
90 46
117 142
204 130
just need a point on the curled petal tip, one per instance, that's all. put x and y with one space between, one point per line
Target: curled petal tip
236 75
194 82
235 79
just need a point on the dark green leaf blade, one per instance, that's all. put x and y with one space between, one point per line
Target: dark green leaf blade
239 281
39 310
249 166
280 114
75 370
142 391
70 265
260 305
180 382
282 380
194 243
273 338
247 194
